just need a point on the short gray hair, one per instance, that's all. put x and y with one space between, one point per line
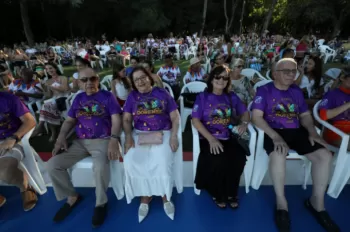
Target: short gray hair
286 60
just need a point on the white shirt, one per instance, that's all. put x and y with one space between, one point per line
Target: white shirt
169 74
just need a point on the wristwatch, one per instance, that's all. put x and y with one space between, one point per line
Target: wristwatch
15 137
245 123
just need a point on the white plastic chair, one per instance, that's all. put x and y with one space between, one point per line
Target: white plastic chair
168 87
107 79
194 87
248 169
261 163
261 83
30 165
249 72
341 173
327 53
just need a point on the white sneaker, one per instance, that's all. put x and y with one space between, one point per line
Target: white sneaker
169 209
143 211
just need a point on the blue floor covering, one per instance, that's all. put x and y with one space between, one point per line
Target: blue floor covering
193 213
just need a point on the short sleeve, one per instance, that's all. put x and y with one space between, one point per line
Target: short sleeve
239 106
326 102
127 108
113 105
303 107
197 110
72 109
187 76
178 72
259 101
171 106
17 107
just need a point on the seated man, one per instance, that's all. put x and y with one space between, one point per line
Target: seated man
279 109
15 122
96 116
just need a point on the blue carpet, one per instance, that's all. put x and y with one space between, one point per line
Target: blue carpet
193 213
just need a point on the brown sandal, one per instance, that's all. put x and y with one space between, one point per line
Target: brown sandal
29 199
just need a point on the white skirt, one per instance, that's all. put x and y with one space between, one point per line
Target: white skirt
149 169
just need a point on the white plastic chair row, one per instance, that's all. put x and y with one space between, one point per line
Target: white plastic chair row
194 87
248 169
341 173
250 73
327 53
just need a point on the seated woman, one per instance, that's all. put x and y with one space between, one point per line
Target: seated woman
240 84
26 88
196 72
335 107
221 160
121 86
55 87
149 150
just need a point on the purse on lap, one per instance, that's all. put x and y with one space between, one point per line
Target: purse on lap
150 138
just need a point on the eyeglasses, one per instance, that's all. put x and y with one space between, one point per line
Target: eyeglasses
288 71
225 78
142 78
86 79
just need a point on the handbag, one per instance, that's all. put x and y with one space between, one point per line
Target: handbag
150 138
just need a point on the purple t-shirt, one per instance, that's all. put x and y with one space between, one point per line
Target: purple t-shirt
334 99
93 114
215 112
281 107
11 109
151 111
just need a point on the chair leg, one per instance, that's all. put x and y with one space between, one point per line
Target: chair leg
339 180
261 165
248 171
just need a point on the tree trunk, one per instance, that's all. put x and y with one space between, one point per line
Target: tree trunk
337 23
48 30
204 18
229 22
241 20
234 6
268 17
25 20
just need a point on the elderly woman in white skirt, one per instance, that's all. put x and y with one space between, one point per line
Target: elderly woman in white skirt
151 147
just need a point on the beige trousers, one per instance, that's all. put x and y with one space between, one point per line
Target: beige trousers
81 148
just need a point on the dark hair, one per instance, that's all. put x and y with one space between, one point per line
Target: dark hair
150 64
83 61
287 51
316 73
142 69
58 71
168 56
135 58
116 67
216 72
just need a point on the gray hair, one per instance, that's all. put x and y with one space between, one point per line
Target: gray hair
285 60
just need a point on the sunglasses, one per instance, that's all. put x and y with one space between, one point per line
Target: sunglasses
86 79
225 78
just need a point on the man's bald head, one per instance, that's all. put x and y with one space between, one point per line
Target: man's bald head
89 80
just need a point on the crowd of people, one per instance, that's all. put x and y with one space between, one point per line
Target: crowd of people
138 104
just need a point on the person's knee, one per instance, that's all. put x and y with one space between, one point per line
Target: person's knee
101 166
52 164
321 156
9 171
276 157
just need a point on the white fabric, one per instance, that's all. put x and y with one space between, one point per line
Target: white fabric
31 90
333 72
150 170
122 92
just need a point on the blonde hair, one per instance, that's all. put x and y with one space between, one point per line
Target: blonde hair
235 62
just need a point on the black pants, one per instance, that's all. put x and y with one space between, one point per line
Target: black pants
220 174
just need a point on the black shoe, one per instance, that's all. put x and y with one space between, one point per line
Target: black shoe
282 220
322 218
100 214
66 209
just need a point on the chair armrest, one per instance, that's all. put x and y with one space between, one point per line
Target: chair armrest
182 105
49 100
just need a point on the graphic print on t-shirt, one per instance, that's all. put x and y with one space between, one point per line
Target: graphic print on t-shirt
150 106
285 109
90 109
220 115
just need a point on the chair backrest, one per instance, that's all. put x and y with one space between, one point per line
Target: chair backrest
168 87
249 72
195 87
261 83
